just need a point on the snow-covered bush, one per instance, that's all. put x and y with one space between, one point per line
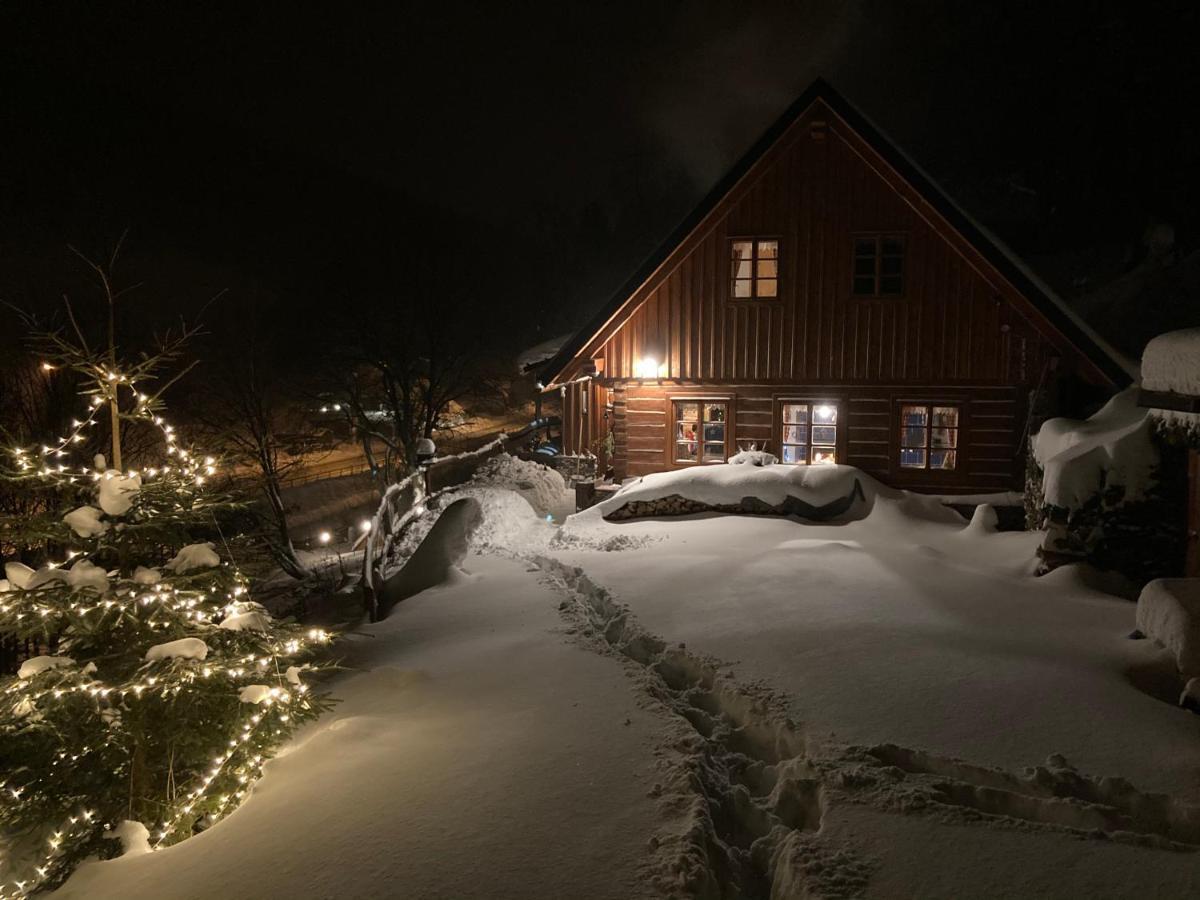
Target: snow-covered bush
1108 490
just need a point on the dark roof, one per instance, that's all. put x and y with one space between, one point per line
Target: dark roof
1107 360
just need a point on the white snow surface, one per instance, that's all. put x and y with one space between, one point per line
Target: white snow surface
18 574
1168 611
134 838
540 353
193 557
144 575
85 521
483 749
1171 362
184 648
38 664
1114 445
254 693
475 754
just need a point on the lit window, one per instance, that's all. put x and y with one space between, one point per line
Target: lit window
754 269
700 431
879 266
928 437
809 434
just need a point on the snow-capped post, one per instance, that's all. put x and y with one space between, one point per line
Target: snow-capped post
426 450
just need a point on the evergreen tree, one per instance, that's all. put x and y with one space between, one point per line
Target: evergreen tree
159 687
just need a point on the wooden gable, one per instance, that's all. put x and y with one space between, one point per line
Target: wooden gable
968 313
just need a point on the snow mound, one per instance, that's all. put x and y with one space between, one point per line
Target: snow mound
18 574
1113 447
815 487
44 576
39 664
85 521
1168 612
544 488
134 838
144 575
753 458
193 557
184 648
439 555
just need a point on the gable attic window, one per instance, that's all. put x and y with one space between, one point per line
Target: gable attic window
754 269
879 265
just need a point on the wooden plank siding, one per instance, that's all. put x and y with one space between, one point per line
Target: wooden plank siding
963 331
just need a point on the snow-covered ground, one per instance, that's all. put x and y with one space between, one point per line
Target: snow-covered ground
726 706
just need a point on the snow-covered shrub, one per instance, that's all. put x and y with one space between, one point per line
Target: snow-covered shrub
1109 490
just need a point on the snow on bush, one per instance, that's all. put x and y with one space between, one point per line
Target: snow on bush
184 648
193 557
18 574
254 693
1168 612
87 576
134 838
1081 458
39 664
250 620
117 492
85 521
144 575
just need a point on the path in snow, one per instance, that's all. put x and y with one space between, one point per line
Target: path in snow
768 812
477 754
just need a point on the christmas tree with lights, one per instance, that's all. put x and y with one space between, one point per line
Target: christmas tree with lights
150 688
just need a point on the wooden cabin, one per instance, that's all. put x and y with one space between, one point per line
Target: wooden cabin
827 302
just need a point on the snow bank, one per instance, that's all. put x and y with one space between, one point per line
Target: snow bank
439 555
819 489
1113 447
1168 611
39 664
134 838
184 648
543 487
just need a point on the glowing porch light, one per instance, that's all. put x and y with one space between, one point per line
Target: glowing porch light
324 537
646 367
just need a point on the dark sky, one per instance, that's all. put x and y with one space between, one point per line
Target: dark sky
317 154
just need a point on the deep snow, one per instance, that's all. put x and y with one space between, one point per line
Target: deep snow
689 705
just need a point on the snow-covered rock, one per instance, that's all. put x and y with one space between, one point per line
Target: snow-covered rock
252 620
85 575
194 557
144 575
134 838
39 664
184 648
1168 611
85 521
118 491
753 458
1113 447
254 693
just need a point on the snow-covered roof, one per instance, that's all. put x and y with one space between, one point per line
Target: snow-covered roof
1171 362
539 353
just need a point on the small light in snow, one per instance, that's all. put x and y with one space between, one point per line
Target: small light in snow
365 525
324 537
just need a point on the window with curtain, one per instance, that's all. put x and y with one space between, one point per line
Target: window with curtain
700 429
928 436
809 433
754 269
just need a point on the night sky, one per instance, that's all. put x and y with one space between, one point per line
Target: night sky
317 157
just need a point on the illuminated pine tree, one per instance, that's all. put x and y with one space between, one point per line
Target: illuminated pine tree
160 686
